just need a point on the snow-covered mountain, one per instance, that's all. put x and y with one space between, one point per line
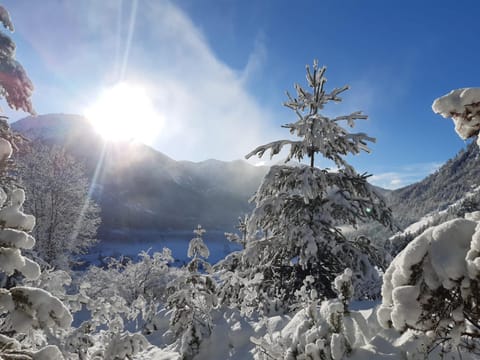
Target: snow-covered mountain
441 195
141 188
449 184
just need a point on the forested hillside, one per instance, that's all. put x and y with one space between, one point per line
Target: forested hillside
439 190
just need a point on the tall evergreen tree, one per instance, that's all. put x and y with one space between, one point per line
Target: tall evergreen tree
294 229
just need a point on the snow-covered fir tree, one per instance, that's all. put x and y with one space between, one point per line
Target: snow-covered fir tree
293 232
193 299
23 309
432 287
58 196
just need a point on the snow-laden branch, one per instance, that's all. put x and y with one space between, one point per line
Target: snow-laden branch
275 148
463 107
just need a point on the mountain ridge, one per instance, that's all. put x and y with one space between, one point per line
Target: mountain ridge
213 193
437 191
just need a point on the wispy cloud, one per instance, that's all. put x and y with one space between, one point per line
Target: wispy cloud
256 60
208 110
404 175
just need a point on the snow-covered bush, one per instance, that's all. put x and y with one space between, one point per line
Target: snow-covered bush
192 299
147 277
128 291
293 231
368 262
325 331
433 285
241 288
125 295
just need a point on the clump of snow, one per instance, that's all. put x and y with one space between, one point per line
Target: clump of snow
8 343
6 149
463 106
12 259
337 346
474 216
406 310
473 255
5 19
49 352
32 307
3 197
12 217
16 239
448 261
343 285
13 236
126 346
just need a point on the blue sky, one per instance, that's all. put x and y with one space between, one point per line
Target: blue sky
217 70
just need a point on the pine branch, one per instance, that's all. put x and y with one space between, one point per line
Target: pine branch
275 147
357 115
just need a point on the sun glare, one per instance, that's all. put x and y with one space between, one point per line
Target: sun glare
125 112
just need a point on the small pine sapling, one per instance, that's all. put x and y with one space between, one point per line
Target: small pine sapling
192 299
242 227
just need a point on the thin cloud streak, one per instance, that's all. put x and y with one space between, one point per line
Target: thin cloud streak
404 176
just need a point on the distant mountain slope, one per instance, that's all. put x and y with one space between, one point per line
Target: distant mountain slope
439 190
139 187
449 187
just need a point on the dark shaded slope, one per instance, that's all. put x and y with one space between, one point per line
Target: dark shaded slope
141 188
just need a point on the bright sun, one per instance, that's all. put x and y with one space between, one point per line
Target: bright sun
125 112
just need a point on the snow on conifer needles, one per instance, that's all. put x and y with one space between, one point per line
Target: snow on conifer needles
319 133
15 86
24 310
293 231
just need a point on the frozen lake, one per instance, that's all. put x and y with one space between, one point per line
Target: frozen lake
131 242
